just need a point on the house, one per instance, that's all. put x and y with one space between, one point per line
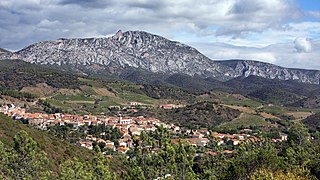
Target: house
126 137
91 138
123 150
234 142
175 128
205 132
220 142
110 144
198 141
246 131
86 144
94 122
100 140
229 136
134 130
122 144
218 135
192 141
202 142
125 120
167 106
111 124
150 128
114 107
135 103
227 151
197 135
283 136
125 126
212 153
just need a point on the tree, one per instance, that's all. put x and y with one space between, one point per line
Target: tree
100 167
298 134
248 158
185 156
261 174
74 170
25 160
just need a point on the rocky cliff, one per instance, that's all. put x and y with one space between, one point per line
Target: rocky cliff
148 52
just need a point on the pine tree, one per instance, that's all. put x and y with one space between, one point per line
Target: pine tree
74 170
185 157
100 165
25 160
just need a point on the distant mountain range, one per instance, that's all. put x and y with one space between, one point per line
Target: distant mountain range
127 52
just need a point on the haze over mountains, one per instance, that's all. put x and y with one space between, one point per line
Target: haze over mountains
125 52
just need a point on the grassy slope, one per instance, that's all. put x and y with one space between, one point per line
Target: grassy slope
246 120
233 99
56 149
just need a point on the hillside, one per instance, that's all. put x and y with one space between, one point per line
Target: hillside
313 122
273 91
202 114
57 150
16 74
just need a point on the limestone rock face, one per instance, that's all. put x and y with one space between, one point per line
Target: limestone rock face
148 52
270 71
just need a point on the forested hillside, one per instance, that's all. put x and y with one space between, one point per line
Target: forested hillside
313 122
196 115
16 74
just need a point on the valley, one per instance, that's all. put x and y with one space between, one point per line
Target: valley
127 117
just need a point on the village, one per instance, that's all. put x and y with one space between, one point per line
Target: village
129 128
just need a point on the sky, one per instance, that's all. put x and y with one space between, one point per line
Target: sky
282 32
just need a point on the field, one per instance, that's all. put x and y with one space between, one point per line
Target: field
299 115
237 100
95 97
242 109
246 120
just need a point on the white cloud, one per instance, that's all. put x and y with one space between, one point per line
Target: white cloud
283 54
302 45
245 27
230 17
315 14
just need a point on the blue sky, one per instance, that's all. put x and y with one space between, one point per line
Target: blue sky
283 32
309 4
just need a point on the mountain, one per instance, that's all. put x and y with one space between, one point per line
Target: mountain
289 92
270 71
4 54
114 54
137 50
4 51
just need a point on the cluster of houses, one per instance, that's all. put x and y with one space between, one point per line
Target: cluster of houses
129 127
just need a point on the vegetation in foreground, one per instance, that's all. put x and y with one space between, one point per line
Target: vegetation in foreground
156 156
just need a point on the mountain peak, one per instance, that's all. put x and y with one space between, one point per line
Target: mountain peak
148 52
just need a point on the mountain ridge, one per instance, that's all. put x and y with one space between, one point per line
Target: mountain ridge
120 53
